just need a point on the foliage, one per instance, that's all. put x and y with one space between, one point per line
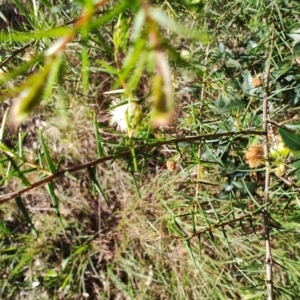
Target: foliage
196 197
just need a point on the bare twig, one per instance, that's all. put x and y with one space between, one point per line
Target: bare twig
15 53
269 260
290 183
223 224
124 154
199 167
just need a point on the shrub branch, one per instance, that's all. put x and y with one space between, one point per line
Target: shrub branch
269 279
125 154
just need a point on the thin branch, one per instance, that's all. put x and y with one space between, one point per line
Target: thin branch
200 167
205 137
15 53
222 224
290 183
269 279
124 154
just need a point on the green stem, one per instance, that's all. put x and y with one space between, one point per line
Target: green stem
135 166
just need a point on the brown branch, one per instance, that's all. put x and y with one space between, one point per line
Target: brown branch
269 260
15 53
221 224
205 137
202 94
290 183
139 150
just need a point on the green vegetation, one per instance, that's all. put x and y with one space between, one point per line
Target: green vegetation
150 149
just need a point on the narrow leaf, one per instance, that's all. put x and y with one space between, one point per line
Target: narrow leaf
4 229
297 165
19 172
96 185
54 200
46 154
26 215
3 124
98 137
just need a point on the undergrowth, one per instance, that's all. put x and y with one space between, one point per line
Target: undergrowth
149 149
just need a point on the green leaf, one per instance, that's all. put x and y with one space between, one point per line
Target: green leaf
233 105
297 165
20 7
46 153
29 36
96 185
293 126
138 25
25 214
5 116
163 20
51 273
99 141
31 93
28 98
46 3
107 67
55 73
290 139
232 64
248 89
54 200
4 229
19 172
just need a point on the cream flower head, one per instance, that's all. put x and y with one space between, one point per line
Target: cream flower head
125 115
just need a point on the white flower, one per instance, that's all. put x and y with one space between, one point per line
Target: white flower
295 35
185 54
125 116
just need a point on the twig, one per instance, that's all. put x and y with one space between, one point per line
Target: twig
269 260
139 150
199 166
15 53
221 224
290 183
